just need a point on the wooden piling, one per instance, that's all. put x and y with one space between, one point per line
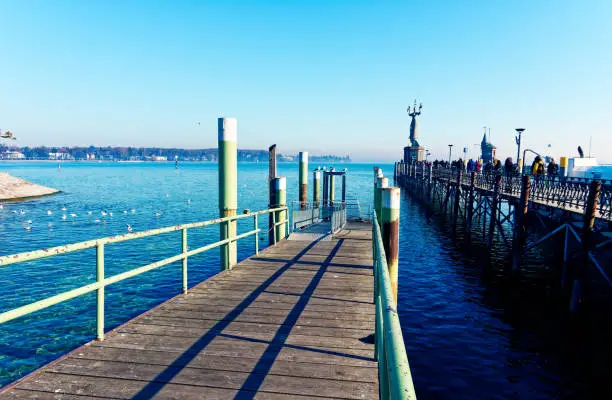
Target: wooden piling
228 187
520 214
272 172
494 206
390 206
332 187
303 179
587 240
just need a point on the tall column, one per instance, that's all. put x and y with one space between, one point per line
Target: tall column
228 186
390 232
332 187
344 187
280 194
316 188
303 179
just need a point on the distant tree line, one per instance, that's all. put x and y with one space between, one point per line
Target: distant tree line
147 153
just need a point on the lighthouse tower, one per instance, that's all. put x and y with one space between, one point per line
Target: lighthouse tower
413 152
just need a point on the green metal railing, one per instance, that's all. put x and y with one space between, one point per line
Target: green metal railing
102 281
394 377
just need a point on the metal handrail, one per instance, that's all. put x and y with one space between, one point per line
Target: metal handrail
394 377
102 281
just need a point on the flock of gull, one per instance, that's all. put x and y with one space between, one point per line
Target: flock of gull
104 215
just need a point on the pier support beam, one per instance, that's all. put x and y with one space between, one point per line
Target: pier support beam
390 200
520 213
303 179
457 198
381 183
272 172
228 187
587 233
494 214
316 188
280 194
469 207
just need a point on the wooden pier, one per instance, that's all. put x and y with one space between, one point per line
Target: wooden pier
295 321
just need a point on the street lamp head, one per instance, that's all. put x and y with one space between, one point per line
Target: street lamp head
520 130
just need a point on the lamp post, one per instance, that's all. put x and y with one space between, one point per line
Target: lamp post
517 138
450 152
427 154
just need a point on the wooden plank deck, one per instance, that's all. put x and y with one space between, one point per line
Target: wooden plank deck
290 323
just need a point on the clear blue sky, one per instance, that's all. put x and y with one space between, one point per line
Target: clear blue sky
320 76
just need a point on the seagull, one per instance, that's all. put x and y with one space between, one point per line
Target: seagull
157 214
64 217
73 215
125 211
110 213
28 221
64 208
97 221
88 212
1 206
49 225
49 212
188 201
22 211
103 213
133 211
27 228
129 228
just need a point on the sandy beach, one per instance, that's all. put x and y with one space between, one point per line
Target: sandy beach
13 189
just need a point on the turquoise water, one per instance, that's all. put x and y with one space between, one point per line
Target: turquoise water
468 334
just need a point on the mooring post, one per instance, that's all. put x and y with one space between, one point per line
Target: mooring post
344 187
332 186
325 188
579 274
469 206
520 214
494 206
316 188
457 199
272 172
280 194
228 187
381 183
390 200
303 179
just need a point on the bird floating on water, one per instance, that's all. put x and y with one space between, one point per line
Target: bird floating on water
28 221
133 211
22 211
64 216
103 213
125 211
97 221
64 208
88 212
110 213
157 214
49 212
129 228
73 215
27 228
188 201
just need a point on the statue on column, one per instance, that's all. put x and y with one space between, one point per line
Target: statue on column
413 152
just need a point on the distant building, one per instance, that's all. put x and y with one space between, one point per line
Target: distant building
159 158
487 150
13 155
60 156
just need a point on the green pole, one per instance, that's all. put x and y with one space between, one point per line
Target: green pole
280 194
303 179
381 183
332 187
390 210
316 188
228 187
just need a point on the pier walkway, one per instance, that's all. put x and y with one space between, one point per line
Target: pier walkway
294 321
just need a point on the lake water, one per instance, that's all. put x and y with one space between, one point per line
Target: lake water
467 334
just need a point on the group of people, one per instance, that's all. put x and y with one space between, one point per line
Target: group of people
509 168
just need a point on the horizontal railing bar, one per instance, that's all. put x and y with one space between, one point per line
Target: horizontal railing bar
42 304
69 248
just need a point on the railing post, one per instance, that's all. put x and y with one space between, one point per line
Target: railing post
184 250
316 188
303 179
228 187
494 206
344 187
579 273
273 227
390 200
429 187
256 227
469 206
280 194
520 213
100 291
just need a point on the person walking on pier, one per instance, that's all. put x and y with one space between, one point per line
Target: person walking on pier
552 169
